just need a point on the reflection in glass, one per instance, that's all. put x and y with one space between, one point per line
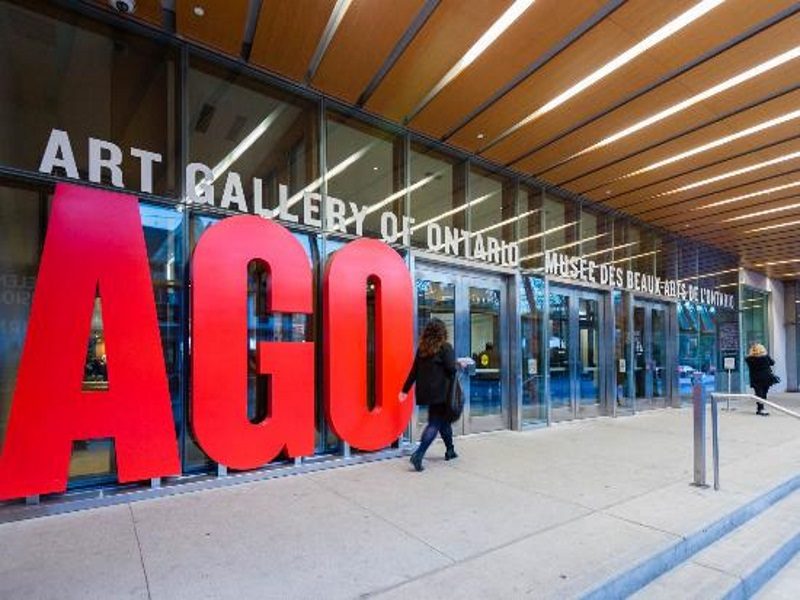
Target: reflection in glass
531 299
559 351
437 189
484 319
59 70
622 346
659 350
365 167
639 354
240 125
588 356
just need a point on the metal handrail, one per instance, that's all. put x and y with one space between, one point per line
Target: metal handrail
699 430
757 399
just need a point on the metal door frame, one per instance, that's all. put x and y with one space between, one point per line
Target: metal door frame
462 280
575 294
647 342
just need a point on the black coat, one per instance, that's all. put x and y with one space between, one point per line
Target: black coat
760 368
433 375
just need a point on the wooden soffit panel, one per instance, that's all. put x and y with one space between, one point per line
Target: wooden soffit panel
768 44
220 26
618 177
450 31
716 27
611 37
541 27
669 191
362 43
286 38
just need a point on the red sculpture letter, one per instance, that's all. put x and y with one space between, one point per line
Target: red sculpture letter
219 338
345 323
94 241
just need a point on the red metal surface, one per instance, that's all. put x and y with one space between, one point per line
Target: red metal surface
94 240
219 345
345 334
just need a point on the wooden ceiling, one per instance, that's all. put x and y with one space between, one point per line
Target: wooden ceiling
389 56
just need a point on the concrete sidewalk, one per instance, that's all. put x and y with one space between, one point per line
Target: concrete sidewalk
547 513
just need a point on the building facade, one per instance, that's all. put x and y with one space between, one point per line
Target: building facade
569 309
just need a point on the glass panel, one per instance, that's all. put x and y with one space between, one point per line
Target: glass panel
61 71
437 188
243 126
559 349
365 167
530 227
534 407
484 319
659 351
435 299
492 208
588 356
639 354
621 348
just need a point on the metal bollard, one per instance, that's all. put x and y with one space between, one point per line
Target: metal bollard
715 439
699 406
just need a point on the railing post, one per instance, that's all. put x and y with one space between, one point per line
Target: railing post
699 406
715 439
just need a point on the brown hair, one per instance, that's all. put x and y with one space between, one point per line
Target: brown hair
433 338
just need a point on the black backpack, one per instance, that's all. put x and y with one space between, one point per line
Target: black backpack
455 399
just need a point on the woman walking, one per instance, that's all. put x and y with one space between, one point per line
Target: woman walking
433 370
760 364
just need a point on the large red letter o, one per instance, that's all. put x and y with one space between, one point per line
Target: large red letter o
345 324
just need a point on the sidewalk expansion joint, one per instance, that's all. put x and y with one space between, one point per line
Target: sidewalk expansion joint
141 555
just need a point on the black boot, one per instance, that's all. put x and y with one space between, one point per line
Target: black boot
450 454
416 460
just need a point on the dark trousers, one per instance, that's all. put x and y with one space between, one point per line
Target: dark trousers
435 425
761 392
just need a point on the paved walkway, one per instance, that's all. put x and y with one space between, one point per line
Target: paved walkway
544 513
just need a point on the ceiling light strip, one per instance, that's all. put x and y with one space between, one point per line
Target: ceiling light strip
621 60
487 39
564 247
772 227
748 169
771 190
337 14
507 221
714 144
761 213
696 99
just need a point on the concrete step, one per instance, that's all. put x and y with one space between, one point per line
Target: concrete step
785 585
701 578
738 564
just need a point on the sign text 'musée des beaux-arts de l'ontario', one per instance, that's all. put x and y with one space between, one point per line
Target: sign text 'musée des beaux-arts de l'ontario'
305 206
588 271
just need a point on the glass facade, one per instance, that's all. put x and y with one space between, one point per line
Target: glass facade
547 347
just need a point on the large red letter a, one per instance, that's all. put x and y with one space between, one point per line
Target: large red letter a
94 239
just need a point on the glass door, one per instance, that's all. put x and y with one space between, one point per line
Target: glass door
474 311
650 355
576 356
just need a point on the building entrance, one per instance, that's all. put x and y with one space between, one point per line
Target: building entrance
576 356
474 310
650 373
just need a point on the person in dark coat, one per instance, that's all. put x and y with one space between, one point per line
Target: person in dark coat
433 370
760 364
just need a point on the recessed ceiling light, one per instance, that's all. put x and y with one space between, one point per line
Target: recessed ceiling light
728 174
199 11
778 262
480 136
714 144
771 190
374 168
487 39
696 99
608 192
654 38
